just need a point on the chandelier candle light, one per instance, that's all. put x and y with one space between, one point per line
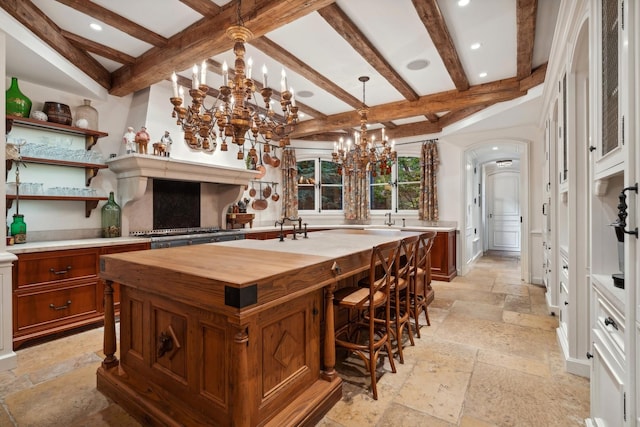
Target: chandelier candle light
232 116
364 155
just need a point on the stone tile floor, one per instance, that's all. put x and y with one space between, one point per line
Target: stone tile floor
489 358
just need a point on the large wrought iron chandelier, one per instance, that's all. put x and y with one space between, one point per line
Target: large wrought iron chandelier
364 155
231 116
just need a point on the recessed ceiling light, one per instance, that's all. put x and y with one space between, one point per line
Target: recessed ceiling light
304 94
418 64
95 27
475 46
483 74
494 148
463 3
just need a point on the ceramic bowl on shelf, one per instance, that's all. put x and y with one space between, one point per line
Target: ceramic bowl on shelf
58 112
39 115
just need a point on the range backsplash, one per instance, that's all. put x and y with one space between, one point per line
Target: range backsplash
176 204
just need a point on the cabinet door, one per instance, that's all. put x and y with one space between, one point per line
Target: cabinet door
607 389
609 74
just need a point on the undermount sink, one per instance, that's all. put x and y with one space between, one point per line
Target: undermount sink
385 228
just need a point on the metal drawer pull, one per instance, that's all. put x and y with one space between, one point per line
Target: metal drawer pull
62 307
609 321
61 271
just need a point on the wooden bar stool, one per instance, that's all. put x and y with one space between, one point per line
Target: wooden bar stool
422 293
367 331
400 292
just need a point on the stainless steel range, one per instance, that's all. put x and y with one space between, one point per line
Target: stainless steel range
172 237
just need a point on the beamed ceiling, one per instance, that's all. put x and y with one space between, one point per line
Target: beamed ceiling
323 45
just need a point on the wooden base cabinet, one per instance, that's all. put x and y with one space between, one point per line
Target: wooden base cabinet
443 256
55 291
271 356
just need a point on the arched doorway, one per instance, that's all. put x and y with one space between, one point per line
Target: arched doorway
481 166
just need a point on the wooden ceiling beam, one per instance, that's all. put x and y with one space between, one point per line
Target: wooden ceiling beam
113 19
526 21
454 116
288 60
429 13
356 38
413 129
207 38
39 24
205 8
446 101
535 78
98 49
432 117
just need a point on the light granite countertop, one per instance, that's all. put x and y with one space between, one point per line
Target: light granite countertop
41 246
56 245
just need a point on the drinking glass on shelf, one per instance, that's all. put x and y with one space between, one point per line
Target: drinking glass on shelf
11 187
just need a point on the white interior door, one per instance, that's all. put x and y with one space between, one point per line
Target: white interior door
503 210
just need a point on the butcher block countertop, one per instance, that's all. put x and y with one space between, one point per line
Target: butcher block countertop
276 269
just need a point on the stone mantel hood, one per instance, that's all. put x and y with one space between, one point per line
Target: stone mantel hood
134 171
144 166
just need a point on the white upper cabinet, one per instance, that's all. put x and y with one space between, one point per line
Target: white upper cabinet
608 142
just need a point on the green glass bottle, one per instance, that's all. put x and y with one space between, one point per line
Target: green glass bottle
19 229
111 218
18 104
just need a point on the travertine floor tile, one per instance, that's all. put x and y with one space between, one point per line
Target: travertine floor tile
517 303
511 398
523 364
436 390
549 323
502 337
477 310
59 402
511 289
398 415
452 293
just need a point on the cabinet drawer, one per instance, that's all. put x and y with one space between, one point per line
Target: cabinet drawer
564 268
45 306
609 321
45 267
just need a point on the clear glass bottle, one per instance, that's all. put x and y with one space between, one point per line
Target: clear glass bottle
19 229
111 218
86 116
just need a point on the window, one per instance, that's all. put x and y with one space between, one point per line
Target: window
306 185
321 175
408 170
320 186
405 194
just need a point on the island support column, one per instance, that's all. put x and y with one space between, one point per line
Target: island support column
329 372
109 344
240 367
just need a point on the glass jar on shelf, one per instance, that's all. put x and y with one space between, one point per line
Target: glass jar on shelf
19 229
111 218
86 116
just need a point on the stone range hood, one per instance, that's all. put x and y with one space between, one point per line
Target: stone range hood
222 186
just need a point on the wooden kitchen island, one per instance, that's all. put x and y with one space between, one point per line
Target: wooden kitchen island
229 334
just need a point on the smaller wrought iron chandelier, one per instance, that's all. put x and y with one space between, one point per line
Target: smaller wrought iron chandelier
231 116
364 155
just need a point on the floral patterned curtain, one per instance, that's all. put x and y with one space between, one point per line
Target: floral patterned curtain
429 161
356 197
289 169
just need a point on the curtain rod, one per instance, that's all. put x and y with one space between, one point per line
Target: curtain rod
400 143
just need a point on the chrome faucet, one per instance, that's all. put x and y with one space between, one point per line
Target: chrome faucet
389 222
